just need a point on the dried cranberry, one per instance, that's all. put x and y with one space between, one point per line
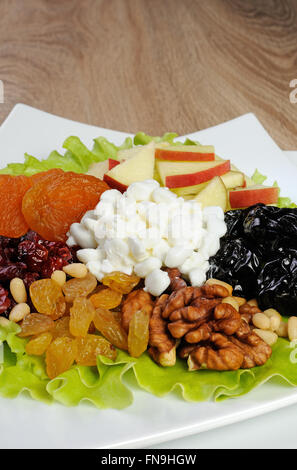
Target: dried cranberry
33 254
5 301
28 278
51 265
12 270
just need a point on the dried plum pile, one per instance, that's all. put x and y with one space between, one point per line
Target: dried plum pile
258 256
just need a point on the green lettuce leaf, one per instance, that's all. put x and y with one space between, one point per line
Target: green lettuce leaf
142 139
111 383
77 157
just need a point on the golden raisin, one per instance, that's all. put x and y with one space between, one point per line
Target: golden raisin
62 328
106 323
48 298
138 335
39 344
121 282
79 287
36 323
81 315
60 356
89 347
106 298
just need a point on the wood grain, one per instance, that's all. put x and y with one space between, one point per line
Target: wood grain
152 65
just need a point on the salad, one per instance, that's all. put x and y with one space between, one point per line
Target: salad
155 259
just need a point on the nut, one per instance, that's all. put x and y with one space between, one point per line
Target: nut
78 270
282 330
213 281
268 336
59 277
240 300
231 301
19 312
292 328
253 302
261 321
3 321
18 290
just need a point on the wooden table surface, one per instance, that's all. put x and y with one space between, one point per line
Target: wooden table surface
152 65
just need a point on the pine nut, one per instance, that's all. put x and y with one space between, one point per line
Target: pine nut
231 301
253 302
59 277
274 323
76 270
292 328
212 282
271 312
261 321
3 321
18 290
268 336
240 300
18 312
282 329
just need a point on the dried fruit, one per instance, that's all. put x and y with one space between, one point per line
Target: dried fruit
48 298
121 282
60 356
36 323
138 335
106 323
38 345
81 315
4 300
62 328
89 347
45 174
106 298
57 201
12 190
79 287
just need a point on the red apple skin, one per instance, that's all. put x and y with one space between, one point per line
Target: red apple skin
112 163
249 197
115 184
191 179
178 156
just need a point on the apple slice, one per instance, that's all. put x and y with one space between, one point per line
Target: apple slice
125 154
233 179
140 167
244 197
99 169
186 153
181 174
214 194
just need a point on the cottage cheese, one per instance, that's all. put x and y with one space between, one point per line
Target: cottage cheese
144 229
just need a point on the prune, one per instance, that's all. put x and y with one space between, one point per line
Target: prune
277 282
238 263
258 256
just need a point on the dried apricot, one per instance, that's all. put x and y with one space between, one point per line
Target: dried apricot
89 347
12 190
81 315
106 298
138 335
57 201
38 345
121 282
45 174
79 287
48 298
36 323
60 356
106 323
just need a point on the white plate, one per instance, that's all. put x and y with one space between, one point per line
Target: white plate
150 420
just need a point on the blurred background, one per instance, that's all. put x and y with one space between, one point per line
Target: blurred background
152 65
